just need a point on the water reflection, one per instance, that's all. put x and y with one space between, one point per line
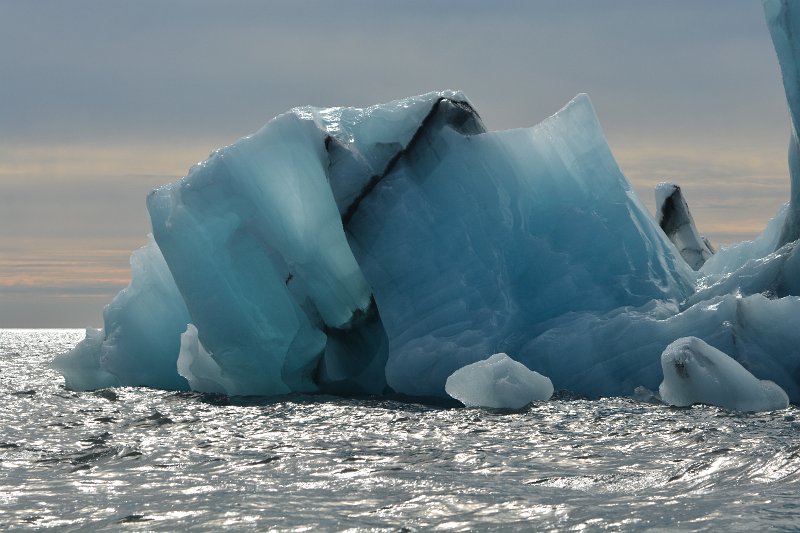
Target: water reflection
149 459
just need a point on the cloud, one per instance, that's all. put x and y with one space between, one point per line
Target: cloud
105 290
104 100
93 69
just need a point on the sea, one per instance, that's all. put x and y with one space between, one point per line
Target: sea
137 459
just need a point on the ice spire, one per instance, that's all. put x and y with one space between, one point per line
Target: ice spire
675 219
783 20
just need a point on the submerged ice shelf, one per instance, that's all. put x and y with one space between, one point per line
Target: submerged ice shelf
361 251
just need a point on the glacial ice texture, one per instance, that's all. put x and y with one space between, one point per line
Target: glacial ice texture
672 213
473 242
140 341
695 372
362 251
783 19
498 382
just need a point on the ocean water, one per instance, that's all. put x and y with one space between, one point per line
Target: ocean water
141 459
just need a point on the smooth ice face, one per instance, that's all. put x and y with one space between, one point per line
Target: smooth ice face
313 257
351 250
199 368
783 20
316 255
473 242
333 239
256 230
695 372
140 341
498 382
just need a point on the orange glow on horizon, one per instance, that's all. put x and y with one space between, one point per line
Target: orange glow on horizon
733 190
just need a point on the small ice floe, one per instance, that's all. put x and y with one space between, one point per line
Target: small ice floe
695 372
498 382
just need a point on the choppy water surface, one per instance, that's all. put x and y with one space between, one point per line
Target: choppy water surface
141 459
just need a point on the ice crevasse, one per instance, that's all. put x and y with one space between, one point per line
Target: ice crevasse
362 251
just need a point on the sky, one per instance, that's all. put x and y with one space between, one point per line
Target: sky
102 100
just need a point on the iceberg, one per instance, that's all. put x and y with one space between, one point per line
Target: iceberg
614 353
783 20
695 372
672 213
381 249
498 382
141 338
471 246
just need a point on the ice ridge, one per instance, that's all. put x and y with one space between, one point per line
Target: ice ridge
379 249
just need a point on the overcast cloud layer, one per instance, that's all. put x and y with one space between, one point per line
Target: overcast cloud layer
102 100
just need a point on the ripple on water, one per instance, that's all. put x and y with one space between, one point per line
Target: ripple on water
155 460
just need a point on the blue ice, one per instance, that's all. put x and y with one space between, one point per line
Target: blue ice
364 251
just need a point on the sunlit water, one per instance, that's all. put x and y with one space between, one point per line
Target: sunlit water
140 459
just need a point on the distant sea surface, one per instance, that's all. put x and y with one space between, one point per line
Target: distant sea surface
142 459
